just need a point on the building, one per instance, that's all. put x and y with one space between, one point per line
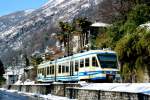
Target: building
12 76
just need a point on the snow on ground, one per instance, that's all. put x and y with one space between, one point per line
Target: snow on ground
119 87
24 83
29 11
45 97
27 82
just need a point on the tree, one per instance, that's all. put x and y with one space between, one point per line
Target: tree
66 35
84 25
131 42
35 61
27 62
2 71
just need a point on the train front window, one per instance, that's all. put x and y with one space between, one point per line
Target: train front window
94 62
107 60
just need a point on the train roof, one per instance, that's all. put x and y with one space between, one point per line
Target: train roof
77 55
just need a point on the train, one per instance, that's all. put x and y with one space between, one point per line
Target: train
92 65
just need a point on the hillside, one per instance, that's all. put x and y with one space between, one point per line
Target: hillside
26 31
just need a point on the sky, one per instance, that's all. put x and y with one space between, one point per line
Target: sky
10 6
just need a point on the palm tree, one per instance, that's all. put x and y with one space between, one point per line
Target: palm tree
66 35
84 25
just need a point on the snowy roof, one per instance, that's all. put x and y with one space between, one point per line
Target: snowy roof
120 87
100 24
14 72
30 67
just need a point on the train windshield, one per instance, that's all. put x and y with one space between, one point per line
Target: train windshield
107 60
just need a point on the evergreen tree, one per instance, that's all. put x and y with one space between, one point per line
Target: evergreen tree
2 71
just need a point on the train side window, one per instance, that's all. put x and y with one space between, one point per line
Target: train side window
67 69
45 71
81 63
63 69
42 71
59 70
52 69
87 62
94 62
48 70
76 65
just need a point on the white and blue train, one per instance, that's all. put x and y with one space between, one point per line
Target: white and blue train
91 65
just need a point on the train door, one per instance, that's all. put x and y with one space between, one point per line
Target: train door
76 67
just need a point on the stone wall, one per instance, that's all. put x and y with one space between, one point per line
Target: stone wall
83 94
40 89
55 89
60 89
73 91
